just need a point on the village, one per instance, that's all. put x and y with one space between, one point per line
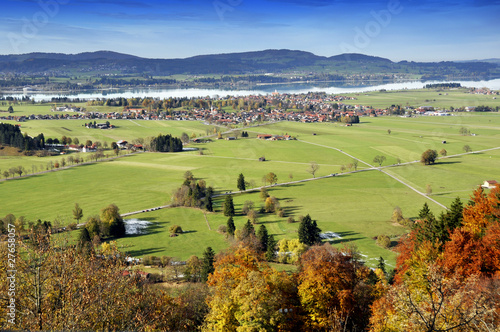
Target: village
305 108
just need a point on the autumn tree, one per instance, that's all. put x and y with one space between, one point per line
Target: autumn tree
247 295
443 152
333 289
112 221
467 148
271 178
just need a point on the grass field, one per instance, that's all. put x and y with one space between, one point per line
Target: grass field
356 206
439 98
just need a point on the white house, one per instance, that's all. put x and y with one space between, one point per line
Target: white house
489 184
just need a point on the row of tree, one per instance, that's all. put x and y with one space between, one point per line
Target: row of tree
11 135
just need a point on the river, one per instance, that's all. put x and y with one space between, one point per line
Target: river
330 88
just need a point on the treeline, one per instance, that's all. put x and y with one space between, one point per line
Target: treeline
166 143
442 85
11 135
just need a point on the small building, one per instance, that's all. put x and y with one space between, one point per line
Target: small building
264 136
230 138
122 144
489 184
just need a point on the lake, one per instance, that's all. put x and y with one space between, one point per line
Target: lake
330 88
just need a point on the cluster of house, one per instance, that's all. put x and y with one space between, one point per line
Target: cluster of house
278 107
269 137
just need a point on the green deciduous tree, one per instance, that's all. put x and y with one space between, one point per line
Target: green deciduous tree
379 160
429 157
111 218
77 213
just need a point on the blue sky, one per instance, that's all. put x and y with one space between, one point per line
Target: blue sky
399 30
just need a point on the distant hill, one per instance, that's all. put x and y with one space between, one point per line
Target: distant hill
492 60
245 63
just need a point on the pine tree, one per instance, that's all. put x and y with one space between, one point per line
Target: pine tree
207 265
248 230
309 232
209 205
230 226
241 182
229 206
271 244
425 212
263 237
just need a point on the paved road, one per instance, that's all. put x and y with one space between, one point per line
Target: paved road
381 169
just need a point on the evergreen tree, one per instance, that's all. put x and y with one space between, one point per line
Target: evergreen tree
309 232
263 237
247 230
271 251
241 182
381 265
209 206
230 226
84 240
229 206
425 212
207 264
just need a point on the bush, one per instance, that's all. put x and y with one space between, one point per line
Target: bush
72 226
175 229
280 213
290 220
384 241
222 229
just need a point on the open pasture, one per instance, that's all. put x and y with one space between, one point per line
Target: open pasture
357 206
439 98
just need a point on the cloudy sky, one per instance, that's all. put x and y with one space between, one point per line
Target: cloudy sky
415 30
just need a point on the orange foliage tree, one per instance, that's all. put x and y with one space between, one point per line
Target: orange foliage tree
333 289
247 295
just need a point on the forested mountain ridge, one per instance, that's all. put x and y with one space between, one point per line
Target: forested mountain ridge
245 63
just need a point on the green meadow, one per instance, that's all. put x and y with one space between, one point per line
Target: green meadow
357 206
439 98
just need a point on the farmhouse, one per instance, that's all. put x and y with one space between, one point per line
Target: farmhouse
489 184
264 136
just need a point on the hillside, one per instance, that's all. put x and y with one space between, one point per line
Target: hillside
246 63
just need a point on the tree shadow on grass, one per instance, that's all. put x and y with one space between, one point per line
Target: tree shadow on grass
345 237
447 162
153 228
143 252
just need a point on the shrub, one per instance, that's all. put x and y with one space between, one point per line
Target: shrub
290 220
72 226
280 213
222 229
175 229
384 241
